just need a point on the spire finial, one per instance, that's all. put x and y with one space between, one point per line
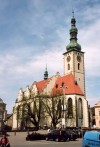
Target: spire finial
73 12
46 73
46 67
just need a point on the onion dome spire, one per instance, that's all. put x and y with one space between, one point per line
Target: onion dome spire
46 74
73 45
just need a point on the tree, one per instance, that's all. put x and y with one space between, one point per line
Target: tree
30 111
34 111
52 107
58 107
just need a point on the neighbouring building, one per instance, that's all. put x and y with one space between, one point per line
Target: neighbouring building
3 113
71 85
95 115
9 120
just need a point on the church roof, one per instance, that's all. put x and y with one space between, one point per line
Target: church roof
67 85
73 45
41 84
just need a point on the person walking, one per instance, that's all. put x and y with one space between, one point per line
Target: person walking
4 141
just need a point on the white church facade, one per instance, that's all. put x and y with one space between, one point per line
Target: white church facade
71 86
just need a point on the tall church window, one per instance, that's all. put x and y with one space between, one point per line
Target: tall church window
68 66
59 108
70 108
80 108
78 66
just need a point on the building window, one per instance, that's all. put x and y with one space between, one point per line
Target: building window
56 86
59 108
0 115
93 122
62 84
80 109
68 66
78 66
70 108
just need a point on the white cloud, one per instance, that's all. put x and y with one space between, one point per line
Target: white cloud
89 38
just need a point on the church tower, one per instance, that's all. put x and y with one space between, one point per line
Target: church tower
74 57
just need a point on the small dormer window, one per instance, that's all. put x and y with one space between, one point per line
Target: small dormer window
76 82
56 86
62 84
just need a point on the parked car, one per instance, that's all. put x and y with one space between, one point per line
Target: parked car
31 128
78 131
91 139
57 135
35 136
72 135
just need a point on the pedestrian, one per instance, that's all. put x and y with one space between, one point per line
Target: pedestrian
4 141
15 133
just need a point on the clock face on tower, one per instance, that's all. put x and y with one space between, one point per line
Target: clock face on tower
68 58
79 58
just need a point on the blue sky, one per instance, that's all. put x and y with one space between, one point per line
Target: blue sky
34 33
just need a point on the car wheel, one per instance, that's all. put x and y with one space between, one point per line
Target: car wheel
64 139
46 139
57 139
68 139
73 139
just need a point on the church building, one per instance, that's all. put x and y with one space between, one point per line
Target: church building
71 86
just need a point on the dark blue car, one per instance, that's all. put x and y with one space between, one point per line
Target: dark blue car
57 135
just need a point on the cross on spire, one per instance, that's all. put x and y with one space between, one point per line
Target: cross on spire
73 12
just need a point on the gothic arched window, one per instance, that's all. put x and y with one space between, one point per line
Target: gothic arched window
70 108
59 108
80 108
68 66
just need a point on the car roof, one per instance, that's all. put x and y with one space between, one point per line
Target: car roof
91 135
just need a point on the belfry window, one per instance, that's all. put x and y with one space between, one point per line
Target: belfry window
70 108
68 66
78 66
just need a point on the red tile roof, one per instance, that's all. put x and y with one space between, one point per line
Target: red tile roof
70 86
41 84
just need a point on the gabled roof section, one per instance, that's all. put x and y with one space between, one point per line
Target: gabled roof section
97 104
66 85
41 84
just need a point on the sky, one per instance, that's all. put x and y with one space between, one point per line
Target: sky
34 33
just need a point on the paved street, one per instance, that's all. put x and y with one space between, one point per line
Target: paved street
18 140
